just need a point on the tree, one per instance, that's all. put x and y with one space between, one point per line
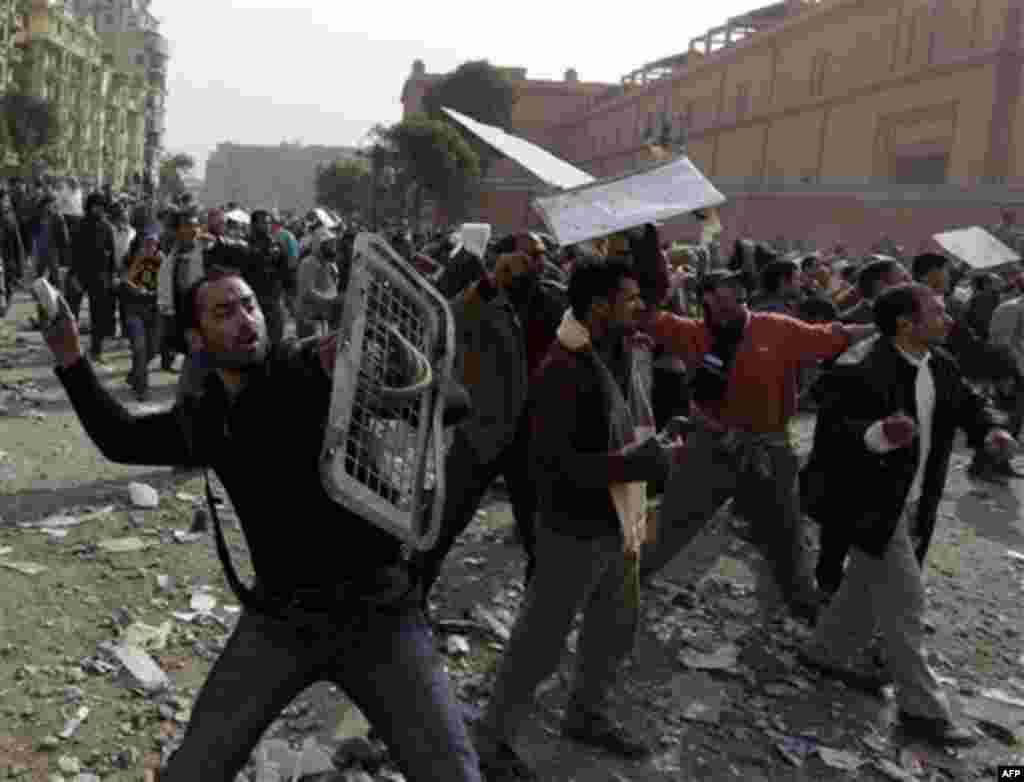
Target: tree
172 168
434 157
478 90
343 185
32 125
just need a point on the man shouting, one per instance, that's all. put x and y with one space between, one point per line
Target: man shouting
334 598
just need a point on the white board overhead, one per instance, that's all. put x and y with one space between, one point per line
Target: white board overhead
608 206
538 161
976 247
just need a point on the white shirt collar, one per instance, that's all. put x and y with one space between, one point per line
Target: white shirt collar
915 361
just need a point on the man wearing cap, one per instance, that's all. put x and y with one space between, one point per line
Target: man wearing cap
744 389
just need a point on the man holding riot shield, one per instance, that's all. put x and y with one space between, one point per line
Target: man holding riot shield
334 597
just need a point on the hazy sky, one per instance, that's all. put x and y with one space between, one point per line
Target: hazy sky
324 71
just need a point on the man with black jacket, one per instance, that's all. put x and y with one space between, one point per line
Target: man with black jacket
334 597
505 322
580 544
93 269
875 278
12 252
890 412
269 273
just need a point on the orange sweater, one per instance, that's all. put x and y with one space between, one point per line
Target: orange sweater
762 393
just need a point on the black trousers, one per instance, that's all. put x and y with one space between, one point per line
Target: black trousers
467 481
384 660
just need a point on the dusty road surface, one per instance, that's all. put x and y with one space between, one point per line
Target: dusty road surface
714 682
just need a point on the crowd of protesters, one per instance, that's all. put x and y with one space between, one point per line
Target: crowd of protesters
597 375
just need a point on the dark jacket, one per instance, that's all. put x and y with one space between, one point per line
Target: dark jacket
267 270
265 447
459 272
862 312
848 485
570 460
13 251
58 245
93 252
499 347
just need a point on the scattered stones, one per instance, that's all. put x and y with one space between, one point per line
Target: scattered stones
181 536
724 658
143 495
202 602
122 545
142 668
844 761
25 568
143 636
75 722
69 764
456 645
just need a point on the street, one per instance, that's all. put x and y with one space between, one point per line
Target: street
88 566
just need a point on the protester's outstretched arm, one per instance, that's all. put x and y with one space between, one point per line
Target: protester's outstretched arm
154 439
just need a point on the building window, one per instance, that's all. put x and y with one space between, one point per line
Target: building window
742 100
109 19
919 169
819 68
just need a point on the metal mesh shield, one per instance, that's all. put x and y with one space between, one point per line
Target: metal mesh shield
383 453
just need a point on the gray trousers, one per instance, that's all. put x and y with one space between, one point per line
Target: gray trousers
570 574
708 476
886 594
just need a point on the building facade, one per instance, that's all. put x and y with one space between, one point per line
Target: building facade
829 120
131 33
11 23
270 177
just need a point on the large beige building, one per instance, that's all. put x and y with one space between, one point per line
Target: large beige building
131 34
57 55
270 177
827 120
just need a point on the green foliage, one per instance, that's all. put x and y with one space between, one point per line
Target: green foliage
343 185
478 90
172 167
433 155
31 125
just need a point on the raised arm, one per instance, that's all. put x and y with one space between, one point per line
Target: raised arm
154 439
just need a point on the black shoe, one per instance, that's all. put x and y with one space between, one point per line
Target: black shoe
936 730
1006 469
984 470
498 761
865 680
597 730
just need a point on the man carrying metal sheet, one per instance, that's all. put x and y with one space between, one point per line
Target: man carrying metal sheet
334 597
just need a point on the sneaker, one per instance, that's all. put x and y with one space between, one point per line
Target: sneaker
498 761
598 730
868 680
938 731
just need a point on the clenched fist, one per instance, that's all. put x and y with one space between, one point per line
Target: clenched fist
900 430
